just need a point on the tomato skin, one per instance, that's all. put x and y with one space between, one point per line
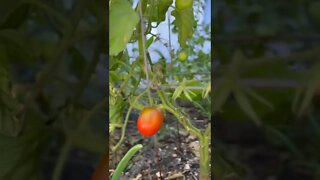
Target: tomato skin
150 121
100 172
183 4
182 56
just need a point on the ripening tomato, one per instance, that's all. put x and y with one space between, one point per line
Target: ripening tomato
101 172
149 121
184 4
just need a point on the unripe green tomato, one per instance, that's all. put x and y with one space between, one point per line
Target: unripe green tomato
184 4
182 56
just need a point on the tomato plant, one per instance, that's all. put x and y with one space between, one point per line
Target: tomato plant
148 70
149 121
184 4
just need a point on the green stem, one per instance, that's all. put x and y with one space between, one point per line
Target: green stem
131 73
123 130
126 121
61 160
204 159
143 49
182 118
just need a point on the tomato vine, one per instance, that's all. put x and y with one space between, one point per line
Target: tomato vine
146 81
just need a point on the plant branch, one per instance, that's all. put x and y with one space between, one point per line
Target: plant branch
182 118
143 50
170 46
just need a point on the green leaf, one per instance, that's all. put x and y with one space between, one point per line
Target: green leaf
16 17
17 46
20 155
113 63
258 97
246 106
3 55
310 89
308 95
122 23
184 22
158 10
195 93
114 76
177 92
78 62
10 125
220 94
149 42
236 65
8 101
187 93
115 111
206 91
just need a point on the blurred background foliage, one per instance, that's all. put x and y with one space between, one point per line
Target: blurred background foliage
266 79
53 69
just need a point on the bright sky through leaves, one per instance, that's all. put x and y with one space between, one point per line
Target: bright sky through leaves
203 17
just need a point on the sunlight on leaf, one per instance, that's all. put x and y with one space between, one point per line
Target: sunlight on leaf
177 92
206 91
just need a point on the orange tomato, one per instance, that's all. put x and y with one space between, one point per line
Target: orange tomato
149 121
